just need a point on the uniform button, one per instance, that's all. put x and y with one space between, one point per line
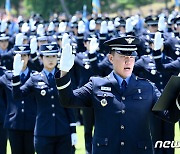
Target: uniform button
122 143
160 75
22 110
51 88
145 147
122 127
123 111
52 97
52 105
161 90
161 83
123 98
22 102
140 97
98 144
53 114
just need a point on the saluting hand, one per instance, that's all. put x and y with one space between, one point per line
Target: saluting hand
33 45
67 57
17 65
158 41
94 45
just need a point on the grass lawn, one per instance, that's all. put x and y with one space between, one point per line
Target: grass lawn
80 147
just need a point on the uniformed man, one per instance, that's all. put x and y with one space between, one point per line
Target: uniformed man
122 102
55 127
3 131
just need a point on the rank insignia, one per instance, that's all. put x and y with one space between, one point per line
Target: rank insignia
43 92
103 102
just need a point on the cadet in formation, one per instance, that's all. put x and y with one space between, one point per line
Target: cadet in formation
122 102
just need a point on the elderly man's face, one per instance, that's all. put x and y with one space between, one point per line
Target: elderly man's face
123 65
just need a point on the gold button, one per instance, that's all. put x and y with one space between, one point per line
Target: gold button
52 97
97 144
122 143
145 147
22 102
123 98
123 111
22 110
122 127
52 105
140 97
53 114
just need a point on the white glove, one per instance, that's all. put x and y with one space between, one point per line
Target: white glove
161 23
158 41
171 16
17 65
3 26
93 45
19 39
51 27
110 26
40 30
67 58
104 28
33 45
116 22
62 27
74 139
25 28
129 26
65 40
92 25
81 27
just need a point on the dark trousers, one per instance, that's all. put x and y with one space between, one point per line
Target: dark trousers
53 145
162 131
21 142
3 139
88 120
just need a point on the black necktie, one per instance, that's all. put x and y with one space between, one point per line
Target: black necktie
51 80
123 85
22 77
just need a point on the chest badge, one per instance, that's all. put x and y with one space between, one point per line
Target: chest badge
103 102
43 92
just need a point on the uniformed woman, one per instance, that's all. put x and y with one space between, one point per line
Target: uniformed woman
55 127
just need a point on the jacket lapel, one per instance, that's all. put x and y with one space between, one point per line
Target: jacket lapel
114 82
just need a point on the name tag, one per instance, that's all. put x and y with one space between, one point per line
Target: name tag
106 88
41 83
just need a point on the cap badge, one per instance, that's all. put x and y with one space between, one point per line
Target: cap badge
50 47
129 40
21 48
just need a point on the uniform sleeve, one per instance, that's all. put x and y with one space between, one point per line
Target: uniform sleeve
74 98
170 67
21 91
71 117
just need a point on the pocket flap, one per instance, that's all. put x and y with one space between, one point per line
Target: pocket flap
104 94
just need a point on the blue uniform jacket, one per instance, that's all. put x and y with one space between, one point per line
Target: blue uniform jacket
20 114
2 100
121 120
52 119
